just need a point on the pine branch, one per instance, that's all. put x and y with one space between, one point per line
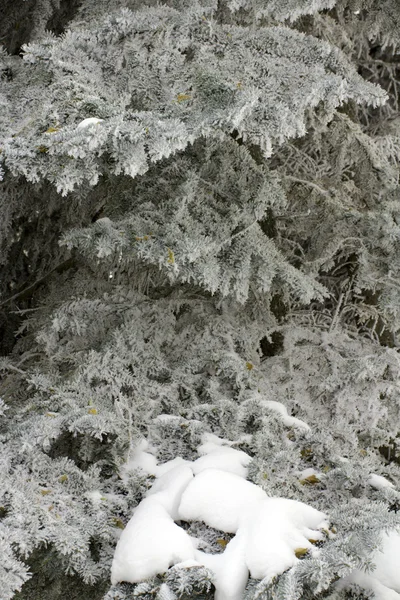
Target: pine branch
26 292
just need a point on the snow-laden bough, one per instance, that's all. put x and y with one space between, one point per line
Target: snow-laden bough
213 489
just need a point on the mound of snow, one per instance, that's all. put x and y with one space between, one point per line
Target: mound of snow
281 409
387 561
223 458
140 459
379 482
171 464
230 571
150 544
219 499
168 489
212 489
88 122
209 441
273 529
384 581
269 532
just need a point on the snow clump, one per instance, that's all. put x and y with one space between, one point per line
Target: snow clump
212 489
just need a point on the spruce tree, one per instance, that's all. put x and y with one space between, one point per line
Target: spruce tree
200 285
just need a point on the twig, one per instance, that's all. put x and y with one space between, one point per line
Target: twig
13 368
309 183
26 292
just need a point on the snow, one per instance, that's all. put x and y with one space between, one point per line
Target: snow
140 459
211 438
368 582
163 418
171 464
187 564
169 487
95 496
310 476
150 543
219 499
273 530
106 221
281 409
387 561
87 122
223 458
384 581
212 489
269 531
379 482
165 593
230 571
308 473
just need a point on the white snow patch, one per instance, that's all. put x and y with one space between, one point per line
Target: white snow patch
269 532
273 530
223 458
165 593
140 459
150 543
309 473
387 561
210 442
368 582
87 122
95 496
384 581
171 464
167 418
168 489
188 564
212 489
281 409
379 482
219 499
106 221
214 439
229 569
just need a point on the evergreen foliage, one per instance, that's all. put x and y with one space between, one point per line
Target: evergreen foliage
199 218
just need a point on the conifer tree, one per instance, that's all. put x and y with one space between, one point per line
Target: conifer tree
200 285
